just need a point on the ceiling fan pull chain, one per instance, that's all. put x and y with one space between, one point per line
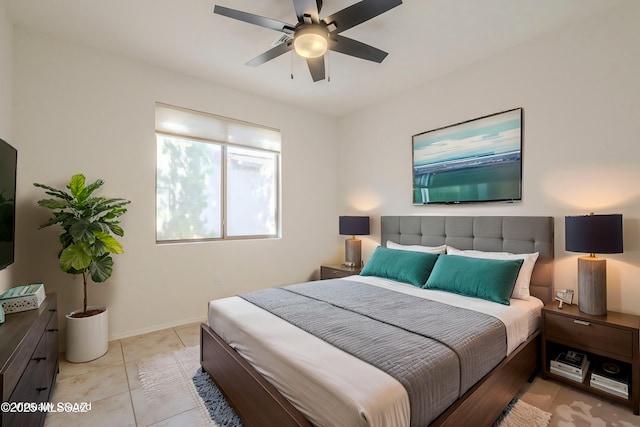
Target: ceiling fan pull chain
328 67
292 65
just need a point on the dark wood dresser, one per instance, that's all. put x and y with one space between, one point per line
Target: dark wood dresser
28 362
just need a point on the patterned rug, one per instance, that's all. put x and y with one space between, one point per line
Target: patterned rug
166 375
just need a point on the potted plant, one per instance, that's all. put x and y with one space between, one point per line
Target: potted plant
88 224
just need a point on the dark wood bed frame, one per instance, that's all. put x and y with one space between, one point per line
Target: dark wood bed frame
258 403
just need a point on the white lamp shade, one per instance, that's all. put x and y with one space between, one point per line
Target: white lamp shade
310 42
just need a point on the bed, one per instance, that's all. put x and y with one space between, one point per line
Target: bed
256 374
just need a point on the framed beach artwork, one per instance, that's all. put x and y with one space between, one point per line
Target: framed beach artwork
478 160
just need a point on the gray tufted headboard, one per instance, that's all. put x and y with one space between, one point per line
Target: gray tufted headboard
516 234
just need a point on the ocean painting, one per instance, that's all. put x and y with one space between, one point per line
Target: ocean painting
475 161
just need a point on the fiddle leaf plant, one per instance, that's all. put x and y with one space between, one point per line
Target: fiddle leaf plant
88 224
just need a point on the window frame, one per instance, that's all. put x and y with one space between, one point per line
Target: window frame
224 145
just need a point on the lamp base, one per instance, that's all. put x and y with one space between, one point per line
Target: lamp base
353 252
592 285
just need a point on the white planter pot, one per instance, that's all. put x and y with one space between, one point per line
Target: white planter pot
87 337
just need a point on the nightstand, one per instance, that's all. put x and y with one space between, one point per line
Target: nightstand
338 270
610 338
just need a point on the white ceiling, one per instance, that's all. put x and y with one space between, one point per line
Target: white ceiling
424 38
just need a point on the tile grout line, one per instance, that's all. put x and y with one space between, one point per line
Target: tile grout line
126 373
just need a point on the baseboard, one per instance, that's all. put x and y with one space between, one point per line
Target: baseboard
62 345
156 328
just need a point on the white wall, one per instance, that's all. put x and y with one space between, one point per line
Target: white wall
6 73
81 110
6 97
579 88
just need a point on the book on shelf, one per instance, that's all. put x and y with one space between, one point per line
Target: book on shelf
571 362
624 388
612 375
578 377
610 390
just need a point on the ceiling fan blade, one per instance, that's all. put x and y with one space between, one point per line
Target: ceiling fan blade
352 47
358 13
308 7
316 68
270 54
261 21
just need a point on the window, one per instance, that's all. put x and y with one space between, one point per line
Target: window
216 178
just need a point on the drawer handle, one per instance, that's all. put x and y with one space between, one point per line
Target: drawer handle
52 330
39 389
582 322
38 359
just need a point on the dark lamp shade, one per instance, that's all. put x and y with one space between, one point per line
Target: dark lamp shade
593 234
354 225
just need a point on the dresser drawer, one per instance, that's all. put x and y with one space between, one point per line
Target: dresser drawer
34 386
333 273
588 335
51 337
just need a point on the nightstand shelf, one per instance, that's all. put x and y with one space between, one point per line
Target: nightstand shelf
337 271
613 337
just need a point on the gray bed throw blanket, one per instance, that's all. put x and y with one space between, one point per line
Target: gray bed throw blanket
436 351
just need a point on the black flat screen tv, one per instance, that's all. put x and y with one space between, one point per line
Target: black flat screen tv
479 160
8 163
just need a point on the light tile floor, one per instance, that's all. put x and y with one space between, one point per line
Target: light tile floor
111 385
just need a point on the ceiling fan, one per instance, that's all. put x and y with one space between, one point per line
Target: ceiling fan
311 37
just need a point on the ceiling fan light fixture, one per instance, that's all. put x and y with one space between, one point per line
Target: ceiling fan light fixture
311 41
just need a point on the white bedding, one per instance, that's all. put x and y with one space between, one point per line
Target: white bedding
329 386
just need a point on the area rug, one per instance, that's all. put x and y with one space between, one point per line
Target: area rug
521 414
216 404
167 376
164 376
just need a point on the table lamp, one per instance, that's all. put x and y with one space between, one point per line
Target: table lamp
593 234
354 226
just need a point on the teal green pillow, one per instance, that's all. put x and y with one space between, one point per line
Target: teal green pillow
404 266
489 279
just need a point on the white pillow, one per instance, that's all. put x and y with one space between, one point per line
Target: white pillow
521 288
417 248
